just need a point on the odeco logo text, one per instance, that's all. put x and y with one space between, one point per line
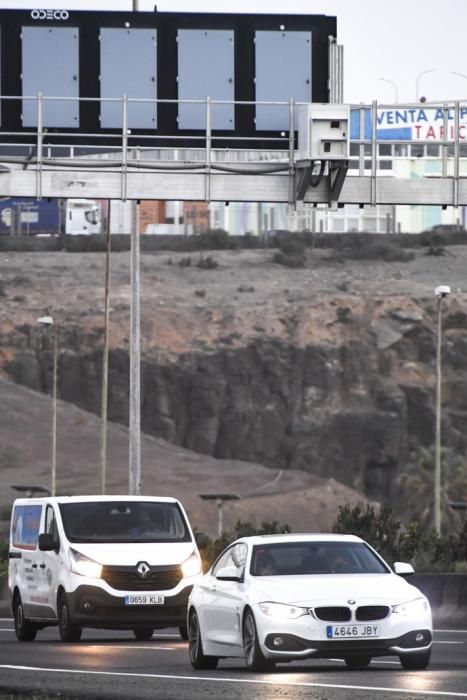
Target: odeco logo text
50 14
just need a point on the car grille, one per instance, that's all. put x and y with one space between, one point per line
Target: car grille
333 614
372 612
160 578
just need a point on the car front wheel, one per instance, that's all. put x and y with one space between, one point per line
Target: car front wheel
198 659
25 631
254 657
415 662
68 631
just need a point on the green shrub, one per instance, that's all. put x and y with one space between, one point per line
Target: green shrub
3 557
367 249
295 261
215 239
207 263
414 542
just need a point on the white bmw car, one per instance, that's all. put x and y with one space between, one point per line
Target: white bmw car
277 598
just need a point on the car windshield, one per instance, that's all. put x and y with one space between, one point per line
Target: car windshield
124 521
307 558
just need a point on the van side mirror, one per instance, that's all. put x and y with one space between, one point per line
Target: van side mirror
403 569
47 542
201 540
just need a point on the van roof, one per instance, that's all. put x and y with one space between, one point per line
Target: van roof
90 499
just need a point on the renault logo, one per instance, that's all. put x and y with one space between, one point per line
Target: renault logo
143 569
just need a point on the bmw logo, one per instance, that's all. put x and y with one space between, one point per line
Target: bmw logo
351 602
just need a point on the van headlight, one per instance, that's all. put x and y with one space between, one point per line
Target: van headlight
84 566
412 607
282 611
191 566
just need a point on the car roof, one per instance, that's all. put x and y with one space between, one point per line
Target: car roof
298 537
94 499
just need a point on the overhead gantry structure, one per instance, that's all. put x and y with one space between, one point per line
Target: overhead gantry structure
330 154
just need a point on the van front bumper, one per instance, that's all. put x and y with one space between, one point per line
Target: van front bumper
93 607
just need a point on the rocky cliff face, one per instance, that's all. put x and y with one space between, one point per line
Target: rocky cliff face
339 384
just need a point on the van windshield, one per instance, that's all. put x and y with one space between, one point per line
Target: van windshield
124 521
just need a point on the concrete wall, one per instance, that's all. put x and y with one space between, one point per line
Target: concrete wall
447 594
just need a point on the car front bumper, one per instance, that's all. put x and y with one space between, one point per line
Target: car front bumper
91 606
292 646
307 636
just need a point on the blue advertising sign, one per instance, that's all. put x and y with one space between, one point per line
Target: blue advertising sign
411 124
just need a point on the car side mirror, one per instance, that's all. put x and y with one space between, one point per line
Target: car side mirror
201 540
228 573
47 542
403 569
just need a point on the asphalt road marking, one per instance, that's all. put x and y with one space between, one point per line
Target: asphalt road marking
244 681
129 646
440 641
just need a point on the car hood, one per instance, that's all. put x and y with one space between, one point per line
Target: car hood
334 589
154 554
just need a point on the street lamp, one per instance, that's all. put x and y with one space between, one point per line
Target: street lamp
49 321
417 80
396 89
441 293
462 75
220 499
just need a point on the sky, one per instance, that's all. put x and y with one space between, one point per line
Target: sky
391 47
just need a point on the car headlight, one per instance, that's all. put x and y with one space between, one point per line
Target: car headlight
412 607
282 611
192 565
84 566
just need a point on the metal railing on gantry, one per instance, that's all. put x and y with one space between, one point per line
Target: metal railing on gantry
398 154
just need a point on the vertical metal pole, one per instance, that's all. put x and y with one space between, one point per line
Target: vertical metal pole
437 475
292 197
456 154
444 148
207 196
105 365
40 138
374 121
135 369
361 148
54 411
219 521
340 73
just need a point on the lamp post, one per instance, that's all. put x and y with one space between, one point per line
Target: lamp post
395 88
441 293
49 321
220 499
417 81
105 366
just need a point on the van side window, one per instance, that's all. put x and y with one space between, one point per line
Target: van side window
25 526
51 523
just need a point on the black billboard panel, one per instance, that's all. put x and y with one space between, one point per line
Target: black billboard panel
166 65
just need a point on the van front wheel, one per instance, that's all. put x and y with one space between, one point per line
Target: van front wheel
25 631
68 631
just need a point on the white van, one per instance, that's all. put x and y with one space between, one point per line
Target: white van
112 562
